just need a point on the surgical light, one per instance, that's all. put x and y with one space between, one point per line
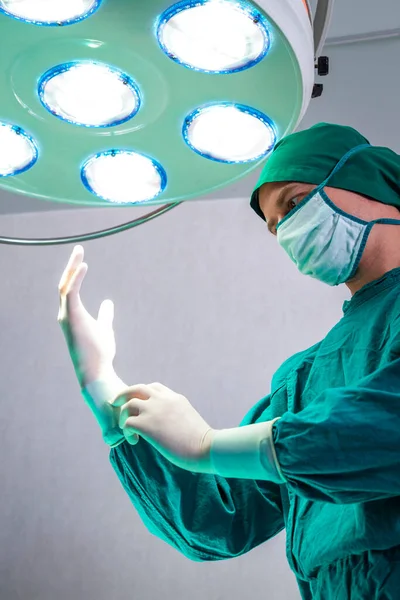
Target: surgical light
89 94
217 36
49 12
230 133
124 177
18 151
121 103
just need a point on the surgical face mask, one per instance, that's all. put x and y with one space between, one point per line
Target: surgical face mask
322 240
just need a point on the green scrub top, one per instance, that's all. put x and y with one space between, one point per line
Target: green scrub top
338 444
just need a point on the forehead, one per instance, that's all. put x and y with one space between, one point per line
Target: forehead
270 192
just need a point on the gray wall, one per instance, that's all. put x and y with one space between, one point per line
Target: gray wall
207 304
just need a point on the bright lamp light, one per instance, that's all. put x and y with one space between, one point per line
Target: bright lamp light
216 36
210 86
49 12
230 133
18 151
123 177
89 94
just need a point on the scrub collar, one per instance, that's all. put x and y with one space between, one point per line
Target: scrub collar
388 280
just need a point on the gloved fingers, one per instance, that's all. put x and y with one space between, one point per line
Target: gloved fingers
159 387
106 314
129 431
69 296
132 439
75 260
131 409
75 283
140 391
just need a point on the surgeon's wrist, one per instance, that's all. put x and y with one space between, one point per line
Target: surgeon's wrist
99 395
106 386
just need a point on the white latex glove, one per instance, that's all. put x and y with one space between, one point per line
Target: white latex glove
169 422
91 344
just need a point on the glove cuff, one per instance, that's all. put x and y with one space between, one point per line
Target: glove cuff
246 453
98 395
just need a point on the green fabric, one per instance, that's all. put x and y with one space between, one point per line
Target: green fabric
205 517
338 445
310 156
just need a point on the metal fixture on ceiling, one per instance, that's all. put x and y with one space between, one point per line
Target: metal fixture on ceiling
136 104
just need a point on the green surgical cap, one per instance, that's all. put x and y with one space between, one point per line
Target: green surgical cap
310 156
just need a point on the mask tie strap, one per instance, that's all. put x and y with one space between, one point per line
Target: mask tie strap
342 161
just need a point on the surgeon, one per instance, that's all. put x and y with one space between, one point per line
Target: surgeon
320 454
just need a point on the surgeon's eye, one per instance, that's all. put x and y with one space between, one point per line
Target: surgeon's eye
293 202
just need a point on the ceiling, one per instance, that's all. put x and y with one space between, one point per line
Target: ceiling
356 30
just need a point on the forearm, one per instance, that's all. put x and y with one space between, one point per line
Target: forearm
344 448
98 396
244 453
206 518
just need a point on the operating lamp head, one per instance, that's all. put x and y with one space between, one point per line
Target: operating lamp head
146 103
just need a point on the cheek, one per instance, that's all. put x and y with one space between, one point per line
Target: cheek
373 242
353 204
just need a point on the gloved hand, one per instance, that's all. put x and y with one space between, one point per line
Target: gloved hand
91 344
169 422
